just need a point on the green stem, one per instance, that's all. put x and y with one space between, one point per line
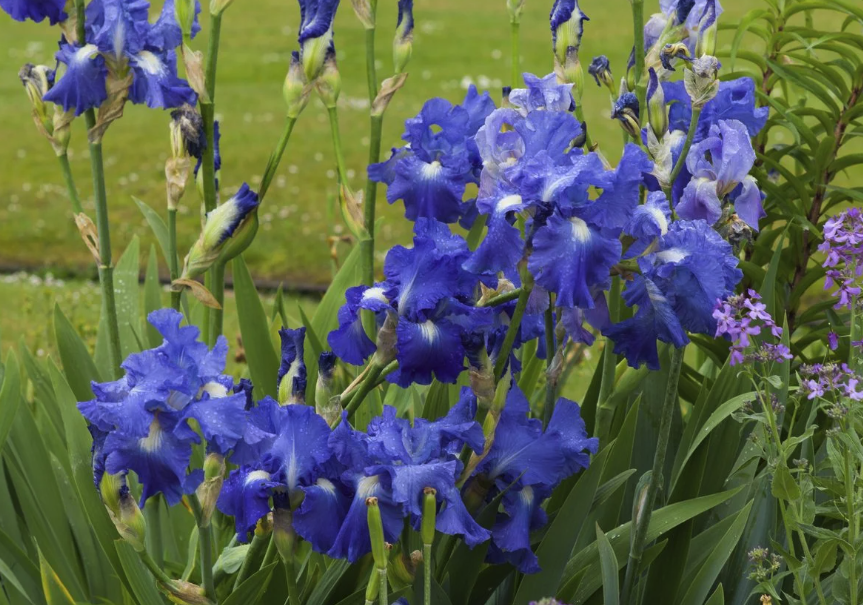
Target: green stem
172 253
681 160
152 514
106 269
351 395
427 561
550 350
337 145
853 334
579 114
383 598
852 524
638 41
501 299
646 509
366 386
515 44
70 183
369 204
257 549
291 577
218 315
512 332
205 548
276 158
605 412
271 554
154 568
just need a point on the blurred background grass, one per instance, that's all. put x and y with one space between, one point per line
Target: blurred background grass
456 42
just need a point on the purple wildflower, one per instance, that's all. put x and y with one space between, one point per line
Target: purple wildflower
843 246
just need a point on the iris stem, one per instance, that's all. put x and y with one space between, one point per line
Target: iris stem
681 160
218 315
550 349
276 158
605 412
512 332
291 577
427 561
370 194
205 548
638 42
208 163
337 145
154 568
853 334
106 269
642 522
579 114
383 597
515 47
173 261
153 517
70 183
257 548
350 399
501 299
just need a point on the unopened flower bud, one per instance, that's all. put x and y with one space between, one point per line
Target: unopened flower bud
283 532
515 8
701 80
187 132
403 40
364 12
656 110
185 12
706 44
427 528
327 406
626 111
37 81
210 488
296 89
217 7
316 36
669 52
376 533
109 488
130 523
567 27
234 223
329 82
573 73
186 593
386 341
292 370
600 69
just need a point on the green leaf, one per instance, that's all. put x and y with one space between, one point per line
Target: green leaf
783 485
662 520
437 402
77 363
52 586
140 579
325 319
19 565
255 329
717 598
562 534
744 24
325 589
317 349
10 578
768 286
126 295
251 591
609 566
706 576
10 396
152 297
160 229
192 555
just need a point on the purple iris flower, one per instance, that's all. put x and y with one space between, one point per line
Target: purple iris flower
35 10
734 101
146 413
720 166
119 34
677 289
431 173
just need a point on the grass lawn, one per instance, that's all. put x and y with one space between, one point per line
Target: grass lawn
455 43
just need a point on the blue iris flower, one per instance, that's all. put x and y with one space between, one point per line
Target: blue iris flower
542 93
245 496
431 173
35 10
119 34
292 370
531 463
146 414
734 101
349 341
720 166
679 285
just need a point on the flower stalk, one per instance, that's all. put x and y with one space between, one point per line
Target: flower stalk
645 507
605 411
70 183
205 548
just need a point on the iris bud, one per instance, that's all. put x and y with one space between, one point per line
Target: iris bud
130 523
283 532
185 11
600 69
314 53
429 515
364 12
626 111
669 52
296 89
403 41
701 80
327 406
37 81
656 111
217 7
234 223
208 491
329 82
376 534
567 27
515 8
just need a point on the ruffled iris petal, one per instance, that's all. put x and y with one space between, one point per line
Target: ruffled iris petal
352 540
82 86
245 496
300 448
156 84
321 514
429 189
35 10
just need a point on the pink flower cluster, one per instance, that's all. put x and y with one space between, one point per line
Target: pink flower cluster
743 316
823 379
